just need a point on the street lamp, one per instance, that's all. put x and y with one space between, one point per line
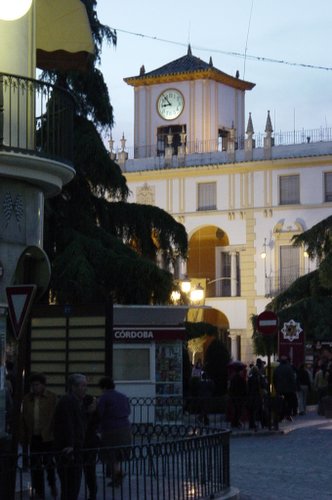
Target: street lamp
186 285
192 293
267 277
196 299
263 256
13 9
197 294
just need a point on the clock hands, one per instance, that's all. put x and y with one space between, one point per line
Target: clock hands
166 99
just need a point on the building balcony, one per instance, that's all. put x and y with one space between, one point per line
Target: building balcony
36 118
36 133
278 283
229 288
281 145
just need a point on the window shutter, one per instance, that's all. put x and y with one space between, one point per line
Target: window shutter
207 196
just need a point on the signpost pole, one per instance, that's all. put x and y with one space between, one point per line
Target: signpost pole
269 381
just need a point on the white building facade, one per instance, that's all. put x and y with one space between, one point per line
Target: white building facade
241 198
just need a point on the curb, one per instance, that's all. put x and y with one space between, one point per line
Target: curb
231 494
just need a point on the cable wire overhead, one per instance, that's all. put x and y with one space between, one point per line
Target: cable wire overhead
226 52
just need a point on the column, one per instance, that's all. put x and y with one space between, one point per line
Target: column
234 351
231 145
169 148
182 147
233 275
182 268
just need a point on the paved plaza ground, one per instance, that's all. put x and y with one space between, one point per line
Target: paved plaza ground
295 465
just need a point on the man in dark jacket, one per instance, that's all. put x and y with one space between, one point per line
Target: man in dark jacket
36 431
69 436
284 381
237 393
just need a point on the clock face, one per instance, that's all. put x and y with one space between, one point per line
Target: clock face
170 104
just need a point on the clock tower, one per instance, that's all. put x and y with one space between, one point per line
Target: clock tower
189 104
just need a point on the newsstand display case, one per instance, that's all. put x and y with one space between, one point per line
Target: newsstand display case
168 380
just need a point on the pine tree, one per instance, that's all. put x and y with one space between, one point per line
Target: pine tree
96 241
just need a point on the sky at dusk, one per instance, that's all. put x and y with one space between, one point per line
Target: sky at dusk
297 91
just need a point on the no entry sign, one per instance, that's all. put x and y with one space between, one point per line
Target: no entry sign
267 323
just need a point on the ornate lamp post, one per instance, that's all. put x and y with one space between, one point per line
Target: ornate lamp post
195 294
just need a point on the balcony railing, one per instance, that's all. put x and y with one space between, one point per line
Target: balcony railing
36 118
215 146
277 283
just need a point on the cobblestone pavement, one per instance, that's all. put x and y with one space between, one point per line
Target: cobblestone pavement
296 465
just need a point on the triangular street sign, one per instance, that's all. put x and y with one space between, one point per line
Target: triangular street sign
20 299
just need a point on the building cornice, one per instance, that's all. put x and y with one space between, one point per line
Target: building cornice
206 74
227 168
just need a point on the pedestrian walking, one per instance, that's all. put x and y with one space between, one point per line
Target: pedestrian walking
69 433
295 396
237 393
91 443
256 387
36 432
284 382
114 410
304 383
321 381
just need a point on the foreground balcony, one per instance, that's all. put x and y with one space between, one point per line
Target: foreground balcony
36 132
35 118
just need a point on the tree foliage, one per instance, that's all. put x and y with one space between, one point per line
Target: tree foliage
96 241
308 299
317 240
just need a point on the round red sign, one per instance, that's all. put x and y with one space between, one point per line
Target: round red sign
267 323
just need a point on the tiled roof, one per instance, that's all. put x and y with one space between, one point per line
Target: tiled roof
185 64
187 67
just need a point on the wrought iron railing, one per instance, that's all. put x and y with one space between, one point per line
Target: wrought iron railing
212 146
279 282
163 463
178 410
36 118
